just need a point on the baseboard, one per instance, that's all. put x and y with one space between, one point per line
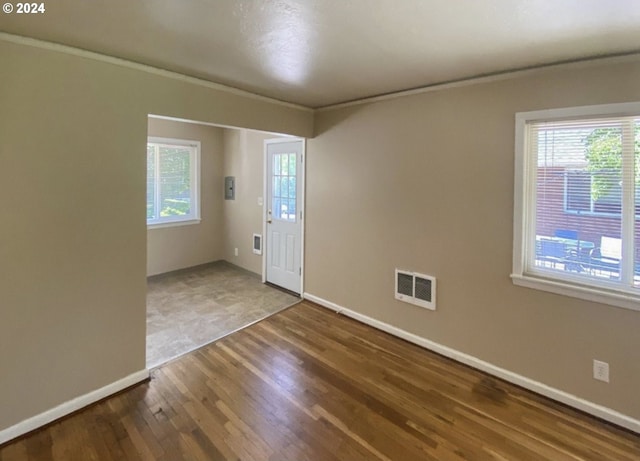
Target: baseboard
186 270
69 407
571 400
183 270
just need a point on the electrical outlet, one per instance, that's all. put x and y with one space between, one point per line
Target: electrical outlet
235 251
601 371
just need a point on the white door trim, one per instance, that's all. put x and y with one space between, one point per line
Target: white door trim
301 204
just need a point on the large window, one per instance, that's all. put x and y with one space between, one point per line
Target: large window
577 202
172 181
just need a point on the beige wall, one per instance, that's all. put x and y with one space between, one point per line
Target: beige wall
425 183
73 233
391 184
172 248
244 159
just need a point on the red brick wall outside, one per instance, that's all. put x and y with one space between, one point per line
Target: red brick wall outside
551 215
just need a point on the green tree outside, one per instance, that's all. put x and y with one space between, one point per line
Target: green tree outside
604 157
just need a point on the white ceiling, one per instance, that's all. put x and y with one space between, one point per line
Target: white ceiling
321 52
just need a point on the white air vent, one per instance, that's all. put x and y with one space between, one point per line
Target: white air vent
257 244
416 289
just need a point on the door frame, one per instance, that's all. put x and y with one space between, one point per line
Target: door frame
301 203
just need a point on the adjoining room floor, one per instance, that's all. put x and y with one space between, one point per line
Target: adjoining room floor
189 308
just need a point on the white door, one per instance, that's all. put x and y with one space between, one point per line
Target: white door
283 250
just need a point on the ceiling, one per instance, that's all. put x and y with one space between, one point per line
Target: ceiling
322 52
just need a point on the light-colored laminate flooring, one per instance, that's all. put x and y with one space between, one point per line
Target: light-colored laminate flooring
189 308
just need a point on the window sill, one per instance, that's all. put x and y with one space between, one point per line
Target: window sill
618 299
173 224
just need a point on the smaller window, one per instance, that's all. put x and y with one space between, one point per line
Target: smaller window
597 193
172 181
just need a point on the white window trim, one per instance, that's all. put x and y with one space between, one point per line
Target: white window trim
193 218
173 223
524 191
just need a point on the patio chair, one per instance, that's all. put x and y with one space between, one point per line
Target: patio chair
607 257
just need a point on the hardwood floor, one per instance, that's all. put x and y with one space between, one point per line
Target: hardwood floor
309 384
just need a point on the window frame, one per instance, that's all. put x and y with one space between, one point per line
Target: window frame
567 173
194 173
611 293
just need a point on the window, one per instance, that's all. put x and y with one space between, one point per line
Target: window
284 187
577 202
172 181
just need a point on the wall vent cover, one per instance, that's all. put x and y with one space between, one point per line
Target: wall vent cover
414 288
257 244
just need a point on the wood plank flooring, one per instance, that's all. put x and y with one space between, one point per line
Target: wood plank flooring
309 384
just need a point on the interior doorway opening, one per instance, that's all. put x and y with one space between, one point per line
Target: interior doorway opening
204 278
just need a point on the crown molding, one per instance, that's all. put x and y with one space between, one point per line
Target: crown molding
488 78
56 47
473 80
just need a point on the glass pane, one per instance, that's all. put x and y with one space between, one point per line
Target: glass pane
292 209
276 164
578 190
151 182
607 191
175 181
636 261
578 199
284 209
292 187
292 164
276 186
636 239
276 208
284 187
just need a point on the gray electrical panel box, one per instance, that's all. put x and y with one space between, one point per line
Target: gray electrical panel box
230 188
